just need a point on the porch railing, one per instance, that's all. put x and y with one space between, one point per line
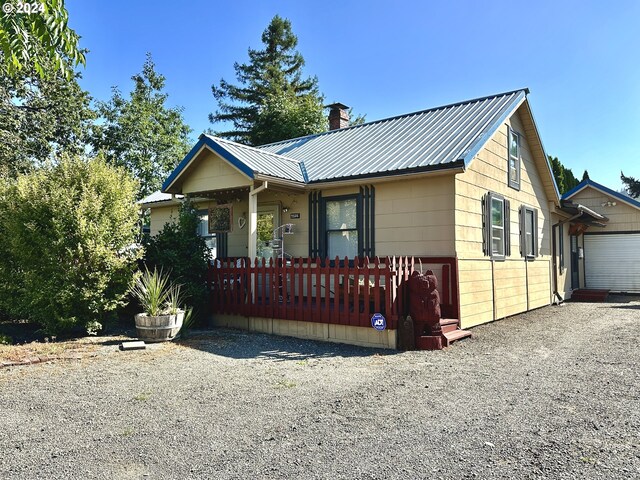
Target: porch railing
343 292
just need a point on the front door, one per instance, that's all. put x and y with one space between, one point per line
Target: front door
575 266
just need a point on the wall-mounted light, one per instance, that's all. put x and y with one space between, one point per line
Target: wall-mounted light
608 204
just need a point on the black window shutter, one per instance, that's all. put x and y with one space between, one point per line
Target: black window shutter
485 227
367 230
561 242
315 224
534 234
523 231
222 245
507 228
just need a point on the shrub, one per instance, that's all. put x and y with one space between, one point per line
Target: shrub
66 259
178 250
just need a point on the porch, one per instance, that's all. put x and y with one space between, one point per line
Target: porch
330 292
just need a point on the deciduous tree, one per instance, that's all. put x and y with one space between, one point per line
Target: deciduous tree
40 117
36 36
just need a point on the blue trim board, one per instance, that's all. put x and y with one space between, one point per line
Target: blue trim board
521 97
608 191
213 145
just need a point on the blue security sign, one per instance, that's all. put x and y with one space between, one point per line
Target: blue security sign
378 321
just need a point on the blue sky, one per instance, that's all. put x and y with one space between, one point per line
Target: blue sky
578 58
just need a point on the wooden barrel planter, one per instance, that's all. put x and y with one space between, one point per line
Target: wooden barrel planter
160 328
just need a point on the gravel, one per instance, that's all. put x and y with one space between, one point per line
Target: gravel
548 394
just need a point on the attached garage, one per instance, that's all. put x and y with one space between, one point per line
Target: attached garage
612 262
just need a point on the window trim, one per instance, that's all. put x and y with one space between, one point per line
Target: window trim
524 210
488 226
518 159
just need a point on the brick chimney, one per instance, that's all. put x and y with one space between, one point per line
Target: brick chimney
338 116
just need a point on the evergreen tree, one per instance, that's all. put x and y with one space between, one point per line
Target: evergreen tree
632 186
41 117
141 133
585 176
272 79
565 179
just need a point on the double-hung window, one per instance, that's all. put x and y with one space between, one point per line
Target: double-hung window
514 159
528 232
496 226
341 227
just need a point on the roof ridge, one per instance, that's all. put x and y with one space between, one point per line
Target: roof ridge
373 122
224 140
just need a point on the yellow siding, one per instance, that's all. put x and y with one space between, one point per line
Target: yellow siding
415 217
160 216
622 217
210 172
490 290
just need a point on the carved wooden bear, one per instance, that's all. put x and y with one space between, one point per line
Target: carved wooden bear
424 303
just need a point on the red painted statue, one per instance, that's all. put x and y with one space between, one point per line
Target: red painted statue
424 303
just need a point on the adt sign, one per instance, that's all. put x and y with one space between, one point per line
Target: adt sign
378 321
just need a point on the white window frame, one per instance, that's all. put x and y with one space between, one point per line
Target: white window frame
516 159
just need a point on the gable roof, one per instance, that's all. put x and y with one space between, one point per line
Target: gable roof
442 137
249 160
601 188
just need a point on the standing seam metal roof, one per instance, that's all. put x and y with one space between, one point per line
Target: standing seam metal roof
441 137
428 138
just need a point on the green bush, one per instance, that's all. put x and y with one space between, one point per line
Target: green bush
178 250
66 256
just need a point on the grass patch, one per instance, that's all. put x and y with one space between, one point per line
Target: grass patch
284 383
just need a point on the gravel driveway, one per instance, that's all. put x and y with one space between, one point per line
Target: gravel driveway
549 394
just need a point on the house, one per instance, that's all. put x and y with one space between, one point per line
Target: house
465 189
603 258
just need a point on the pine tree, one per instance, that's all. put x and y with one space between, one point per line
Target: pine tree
632 186
272 78
585 176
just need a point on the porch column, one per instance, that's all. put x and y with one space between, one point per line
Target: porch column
253 220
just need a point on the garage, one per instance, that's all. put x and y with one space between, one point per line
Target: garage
612 261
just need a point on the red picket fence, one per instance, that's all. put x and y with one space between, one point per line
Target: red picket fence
343 292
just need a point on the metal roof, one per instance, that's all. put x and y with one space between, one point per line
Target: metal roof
436 138
263 161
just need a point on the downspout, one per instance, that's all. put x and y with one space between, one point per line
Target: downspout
557 298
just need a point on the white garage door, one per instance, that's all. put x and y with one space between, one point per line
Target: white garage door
613 262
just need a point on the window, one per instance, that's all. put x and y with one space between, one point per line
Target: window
496 226
203 230
514 159
529 232
220 218
342 227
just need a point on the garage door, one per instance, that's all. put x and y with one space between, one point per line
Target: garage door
613 262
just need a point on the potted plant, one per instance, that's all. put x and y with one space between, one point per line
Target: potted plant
160 299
